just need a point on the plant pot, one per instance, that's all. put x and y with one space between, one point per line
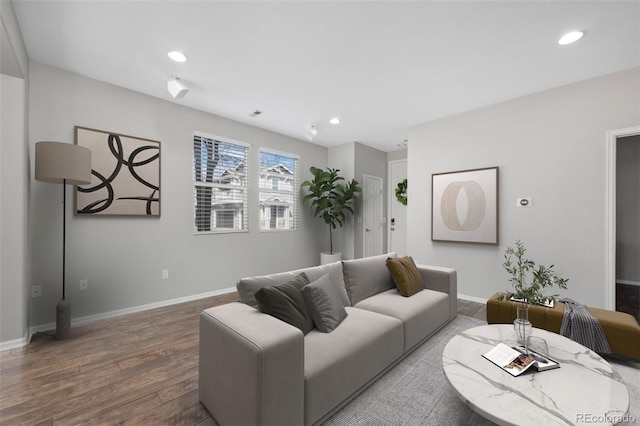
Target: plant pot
330 257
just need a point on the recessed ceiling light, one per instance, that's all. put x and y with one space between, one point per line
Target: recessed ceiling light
571 37
178 56
334 120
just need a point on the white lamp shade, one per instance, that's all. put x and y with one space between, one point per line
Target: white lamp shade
57 162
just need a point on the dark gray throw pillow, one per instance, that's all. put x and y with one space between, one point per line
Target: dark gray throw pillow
285 302
324 303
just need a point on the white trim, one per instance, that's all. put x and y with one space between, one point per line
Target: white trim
610 213
105 315
16 343
472 298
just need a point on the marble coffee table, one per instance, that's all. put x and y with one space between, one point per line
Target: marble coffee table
584 390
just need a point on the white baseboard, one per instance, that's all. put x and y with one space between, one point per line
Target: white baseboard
472 298
93 318
628 282
16 343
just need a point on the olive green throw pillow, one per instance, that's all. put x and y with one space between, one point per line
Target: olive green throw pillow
285 302
406 276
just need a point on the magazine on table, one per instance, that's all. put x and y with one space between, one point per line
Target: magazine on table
516 361
542 362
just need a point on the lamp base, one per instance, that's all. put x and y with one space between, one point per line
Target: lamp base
63 319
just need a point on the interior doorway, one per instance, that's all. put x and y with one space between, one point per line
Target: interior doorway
373 216
623 221
397 230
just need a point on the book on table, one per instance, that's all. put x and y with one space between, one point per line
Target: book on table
516 360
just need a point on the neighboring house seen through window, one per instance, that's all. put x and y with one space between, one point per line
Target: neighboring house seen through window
220 180
279 190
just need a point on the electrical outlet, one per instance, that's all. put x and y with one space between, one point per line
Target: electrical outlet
36 291
165 274
84 284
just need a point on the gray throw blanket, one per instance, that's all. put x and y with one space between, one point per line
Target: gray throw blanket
579 325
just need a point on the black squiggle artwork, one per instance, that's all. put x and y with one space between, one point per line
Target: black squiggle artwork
123 167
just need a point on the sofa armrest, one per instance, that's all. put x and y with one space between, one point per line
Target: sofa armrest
444 280
251 367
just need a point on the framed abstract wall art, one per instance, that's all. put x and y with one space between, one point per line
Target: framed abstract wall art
125 175
464 206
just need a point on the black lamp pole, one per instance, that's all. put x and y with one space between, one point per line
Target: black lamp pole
63 308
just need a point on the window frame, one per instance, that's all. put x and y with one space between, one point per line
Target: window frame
294 192
245 210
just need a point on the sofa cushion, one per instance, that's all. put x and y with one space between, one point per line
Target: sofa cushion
367 276
340 363
406 276
248 286
286 302
324 304
421 314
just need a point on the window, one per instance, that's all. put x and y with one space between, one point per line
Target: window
279 190
220 180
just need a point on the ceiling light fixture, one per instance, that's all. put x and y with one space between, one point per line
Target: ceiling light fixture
176 88
570 37
177 56
334 120
311 133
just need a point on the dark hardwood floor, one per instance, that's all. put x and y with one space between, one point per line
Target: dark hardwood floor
136 369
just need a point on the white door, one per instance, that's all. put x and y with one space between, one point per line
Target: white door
373 219
397 235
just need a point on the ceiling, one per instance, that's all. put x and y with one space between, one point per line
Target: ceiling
380 66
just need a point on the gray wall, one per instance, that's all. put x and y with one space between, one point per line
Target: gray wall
369 161
14 187
354 161
550 146
628 210
123 257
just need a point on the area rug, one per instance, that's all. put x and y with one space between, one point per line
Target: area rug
416 391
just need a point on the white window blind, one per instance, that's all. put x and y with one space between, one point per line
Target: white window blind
220 180
279 190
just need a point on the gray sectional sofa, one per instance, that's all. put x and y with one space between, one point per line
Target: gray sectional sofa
258 370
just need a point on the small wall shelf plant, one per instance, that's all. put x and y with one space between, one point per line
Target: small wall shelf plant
332 197
529 280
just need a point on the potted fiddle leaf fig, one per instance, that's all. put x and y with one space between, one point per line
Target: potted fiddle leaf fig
331 196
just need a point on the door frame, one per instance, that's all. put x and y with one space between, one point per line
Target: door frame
366 176
391 196
610 212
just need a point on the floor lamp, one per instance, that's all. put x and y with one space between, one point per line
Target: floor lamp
63 163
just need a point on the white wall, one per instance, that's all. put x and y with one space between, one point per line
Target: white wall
550 146
14 188
123 257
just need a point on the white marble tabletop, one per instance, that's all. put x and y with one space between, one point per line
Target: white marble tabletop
584 390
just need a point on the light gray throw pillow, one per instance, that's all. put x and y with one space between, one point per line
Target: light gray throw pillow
324 304
367 276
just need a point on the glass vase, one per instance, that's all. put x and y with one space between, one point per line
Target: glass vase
522 326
